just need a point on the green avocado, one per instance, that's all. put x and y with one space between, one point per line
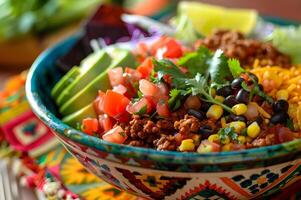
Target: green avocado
66 80
121 58
90 67
76 118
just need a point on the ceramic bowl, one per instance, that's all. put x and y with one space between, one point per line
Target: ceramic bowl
161 174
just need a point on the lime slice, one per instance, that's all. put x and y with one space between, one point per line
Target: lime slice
206 18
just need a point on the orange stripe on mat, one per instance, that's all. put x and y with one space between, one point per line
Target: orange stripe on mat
235 187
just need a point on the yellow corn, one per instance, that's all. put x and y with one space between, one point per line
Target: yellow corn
239 109
225 140
227 147
241 139
253 130
213 92
187 145
213 138
238 126
219 98
215 112
282 94
291 87
223 122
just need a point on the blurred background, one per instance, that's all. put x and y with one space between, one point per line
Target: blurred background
27 27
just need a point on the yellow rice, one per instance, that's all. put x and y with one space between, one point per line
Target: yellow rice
282 83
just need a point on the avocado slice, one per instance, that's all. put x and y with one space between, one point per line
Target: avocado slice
66 80
76 118
90 67
121 58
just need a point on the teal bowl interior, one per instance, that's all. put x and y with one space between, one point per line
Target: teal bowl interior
44 74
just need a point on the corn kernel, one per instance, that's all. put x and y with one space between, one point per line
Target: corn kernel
238 126
225 140
227 147
213 92
187 145
282 94
241 139
219 98
223 122
253 130
215 112
239 109
213 138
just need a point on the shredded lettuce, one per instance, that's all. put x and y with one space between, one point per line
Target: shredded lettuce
288 41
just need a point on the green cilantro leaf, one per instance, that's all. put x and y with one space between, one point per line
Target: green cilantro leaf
227 132
235 67
166 67
196 62
218 68
174 101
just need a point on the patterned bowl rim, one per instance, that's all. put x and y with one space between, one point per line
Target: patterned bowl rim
171 157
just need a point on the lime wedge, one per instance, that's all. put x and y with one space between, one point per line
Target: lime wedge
206 18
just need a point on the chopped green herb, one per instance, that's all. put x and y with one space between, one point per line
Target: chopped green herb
122 134
227 132
235 67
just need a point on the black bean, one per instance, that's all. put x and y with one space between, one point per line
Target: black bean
238 118
205 106
279 118
242 96
196 114
236 83
206 131
224 91
280 105
230 101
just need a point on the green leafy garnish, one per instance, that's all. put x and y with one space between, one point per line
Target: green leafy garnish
196 62
174 101
290 124
166 67
218 68
227 132
235 67
199 86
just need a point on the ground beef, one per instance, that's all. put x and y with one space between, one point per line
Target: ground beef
235 45
187 125
166 143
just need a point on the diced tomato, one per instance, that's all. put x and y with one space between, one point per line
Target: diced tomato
134 74
163 89
163 109
174 49
146 67
148 88
115 135
207 147
115 76
105 122
121 89
169 47
90 126
115 104
138 106
98 101
284 134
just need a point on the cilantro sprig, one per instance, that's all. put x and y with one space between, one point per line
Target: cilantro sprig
227 132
